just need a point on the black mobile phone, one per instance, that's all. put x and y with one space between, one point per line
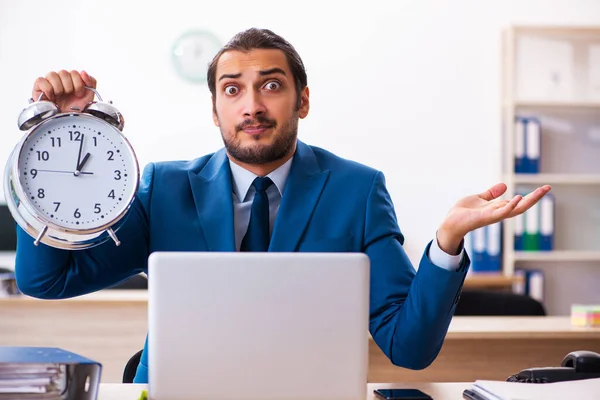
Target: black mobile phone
402 394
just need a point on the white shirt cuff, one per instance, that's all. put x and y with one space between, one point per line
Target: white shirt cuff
442 259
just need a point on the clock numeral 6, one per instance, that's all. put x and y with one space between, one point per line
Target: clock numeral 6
77 214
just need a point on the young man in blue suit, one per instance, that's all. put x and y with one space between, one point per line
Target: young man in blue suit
311 200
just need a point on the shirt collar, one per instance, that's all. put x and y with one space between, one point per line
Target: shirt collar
242 178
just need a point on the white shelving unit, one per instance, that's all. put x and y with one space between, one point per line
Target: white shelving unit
553 73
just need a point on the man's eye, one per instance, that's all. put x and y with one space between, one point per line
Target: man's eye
230 90
272 85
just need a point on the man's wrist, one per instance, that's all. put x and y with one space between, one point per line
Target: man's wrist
448 241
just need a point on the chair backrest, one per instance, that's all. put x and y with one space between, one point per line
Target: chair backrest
131 367
135 282
495 303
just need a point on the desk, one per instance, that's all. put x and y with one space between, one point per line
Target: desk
110 326
439 391
492 348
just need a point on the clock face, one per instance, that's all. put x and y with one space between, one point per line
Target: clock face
78 172
192 52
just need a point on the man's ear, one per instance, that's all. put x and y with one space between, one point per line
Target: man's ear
214 111
304 102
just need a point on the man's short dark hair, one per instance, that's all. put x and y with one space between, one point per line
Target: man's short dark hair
255 38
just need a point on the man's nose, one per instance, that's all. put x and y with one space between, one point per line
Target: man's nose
253 105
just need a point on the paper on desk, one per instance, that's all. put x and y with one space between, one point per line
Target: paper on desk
497 390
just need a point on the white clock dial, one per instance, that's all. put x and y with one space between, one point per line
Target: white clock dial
78 172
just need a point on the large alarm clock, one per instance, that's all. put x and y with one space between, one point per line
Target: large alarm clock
72 178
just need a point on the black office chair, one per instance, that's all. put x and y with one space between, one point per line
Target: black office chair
131 367
135 282
494 303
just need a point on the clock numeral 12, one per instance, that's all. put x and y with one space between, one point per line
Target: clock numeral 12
75 136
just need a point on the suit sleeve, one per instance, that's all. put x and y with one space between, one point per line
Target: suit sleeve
410 310
49 273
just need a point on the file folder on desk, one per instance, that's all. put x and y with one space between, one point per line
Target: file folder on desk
36 373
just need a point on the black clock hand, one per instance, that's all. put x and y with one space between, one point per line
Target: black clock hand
79 154
62 172
85 158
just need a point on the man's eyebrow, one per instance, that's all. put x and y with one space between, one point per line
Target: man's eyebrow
261 73
272 71
231 76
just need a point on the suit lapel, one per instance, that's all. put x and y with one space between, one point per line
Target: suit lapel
302 191
211 188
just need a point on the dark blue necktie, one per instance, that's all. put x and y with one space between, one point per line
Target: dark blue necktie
258 235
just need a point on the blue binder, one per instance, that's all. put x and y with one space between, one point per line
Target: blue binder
478 245
519 229
520 166
533 131
486 244
494 247
47 372
547 218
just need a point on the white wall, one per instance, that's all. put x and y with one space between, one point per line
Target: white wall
410 87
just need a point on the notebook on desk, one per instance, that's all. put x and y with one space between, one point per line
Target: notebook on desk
269 326
498 390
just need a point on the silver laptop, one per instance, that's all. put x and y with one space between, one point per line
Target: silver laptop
270 326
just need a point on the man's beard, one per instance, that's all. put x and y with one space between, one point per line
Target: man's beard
263 154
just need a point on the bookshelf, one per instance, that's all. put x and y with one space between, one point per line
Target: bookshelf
552 74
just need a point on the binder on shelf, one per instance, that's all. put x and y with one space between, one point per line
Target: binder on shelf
533 284
531 233
532 145
518 286
547 217
487 248
494 246
478 249
520 145
47 373
519 228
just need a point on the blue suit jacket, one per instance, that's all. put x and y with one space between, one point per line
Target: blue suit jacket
329 205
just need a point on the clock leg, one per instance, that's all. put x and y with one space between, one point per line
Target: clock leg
112 234
40 235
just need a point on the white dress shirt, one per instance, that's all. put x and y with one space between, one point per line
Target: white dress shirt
243 195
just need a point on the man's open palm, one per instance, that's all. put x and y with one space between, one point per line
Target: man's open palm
486 208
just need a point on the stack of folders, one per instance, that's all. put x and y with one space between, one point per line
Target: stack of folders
527 145
486 248
42 373
498 390
534 229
